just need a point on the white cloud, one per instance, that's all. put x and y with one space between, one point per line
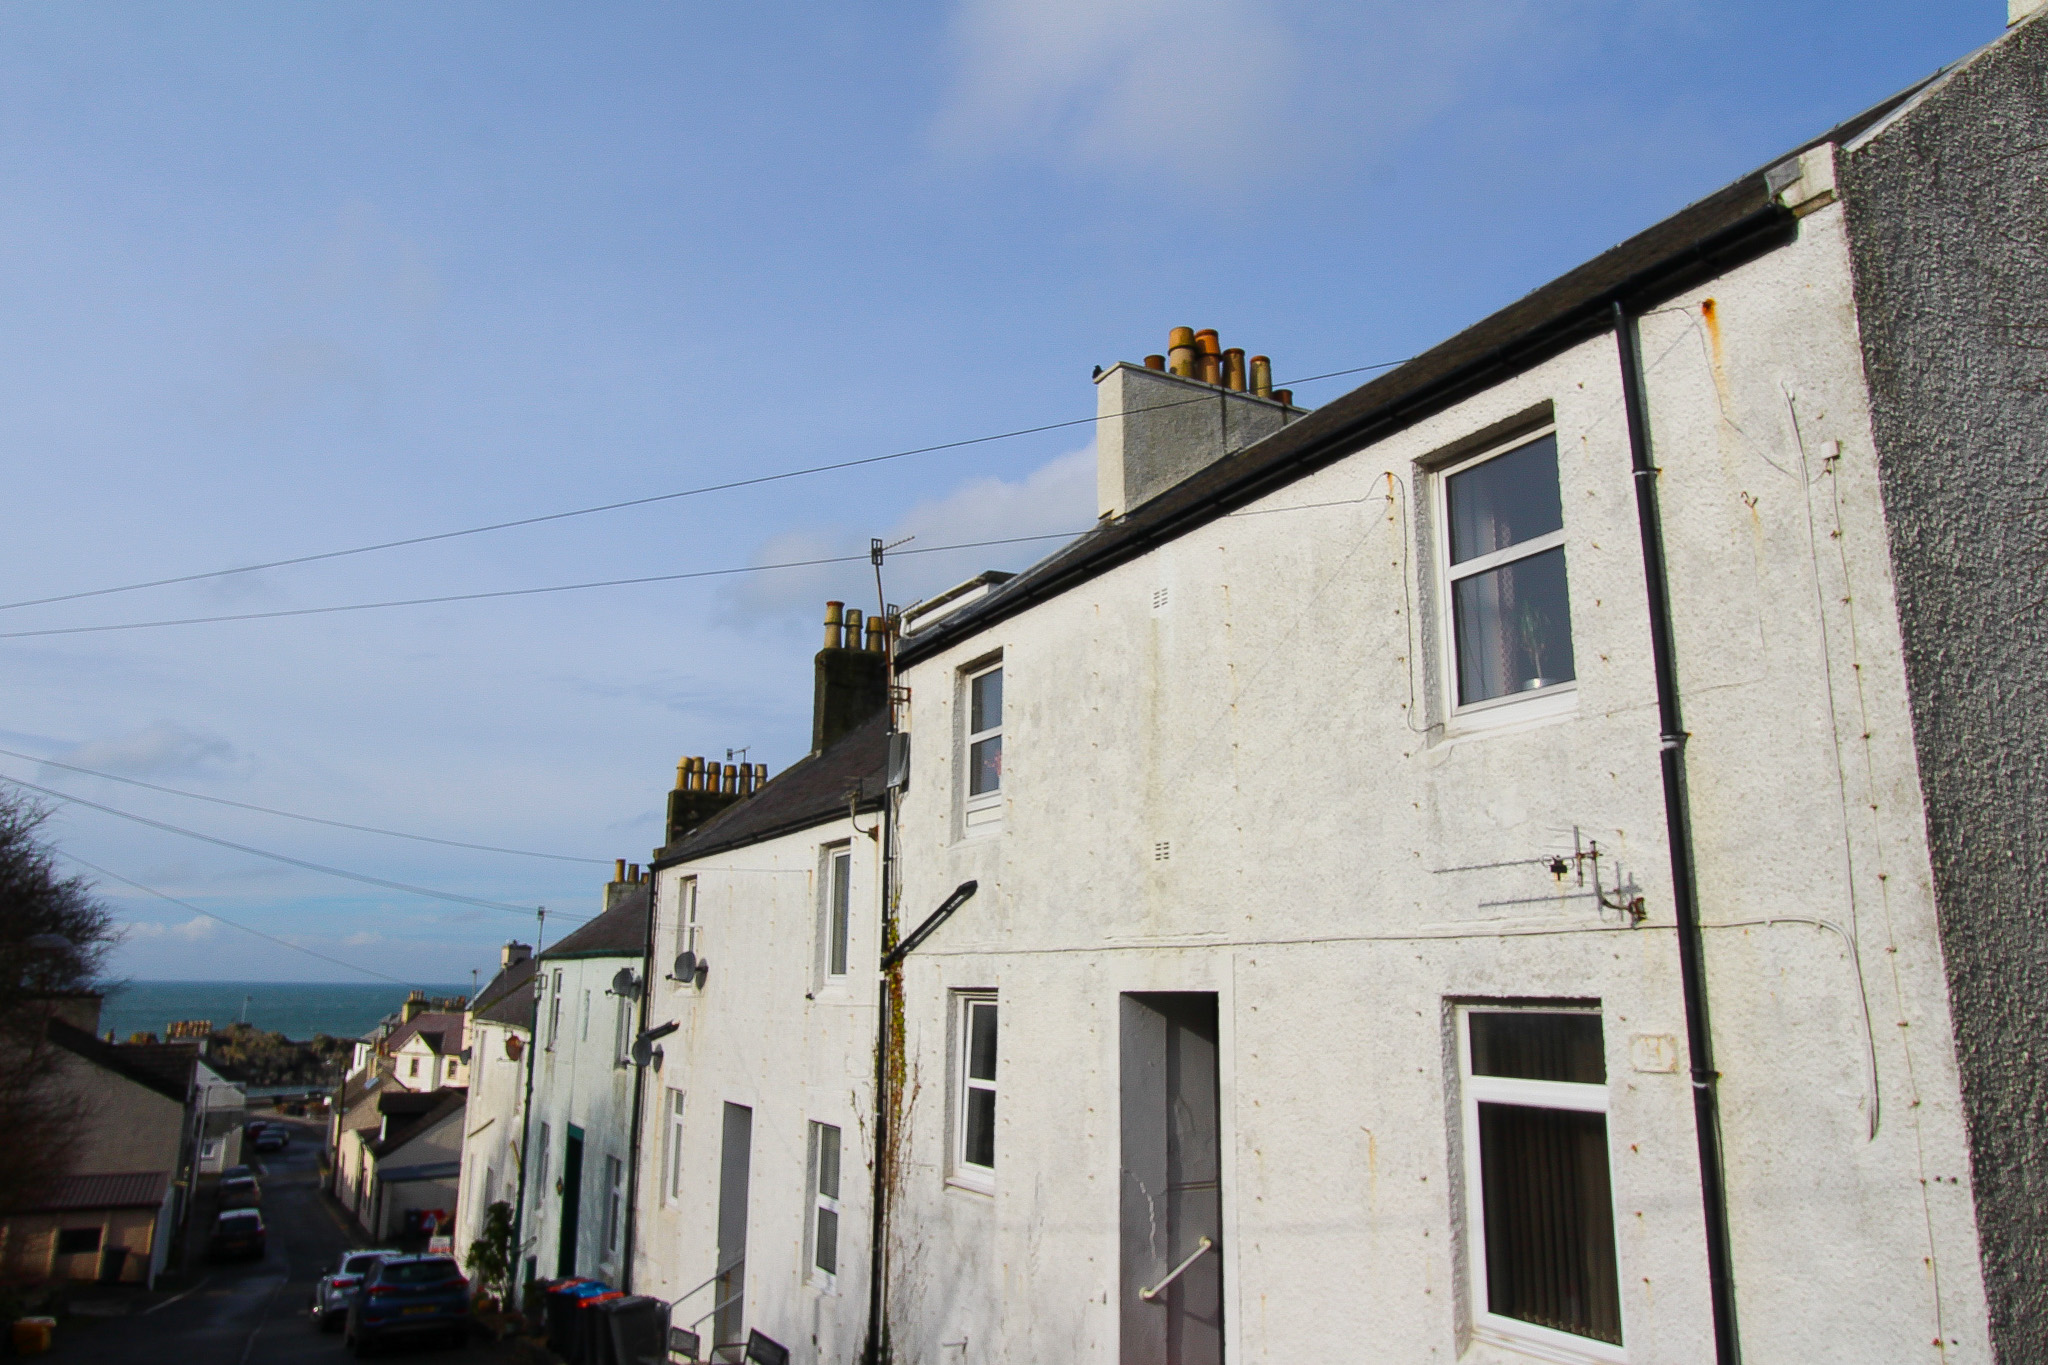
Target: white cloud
191 931
163 749
1190 87
1056 499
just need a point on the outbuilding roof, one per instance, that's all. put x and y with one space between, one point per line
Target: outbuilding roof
848 775
121 1190
1736 223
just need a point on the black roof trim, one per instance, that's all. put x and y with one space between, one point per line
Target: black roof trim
1736 224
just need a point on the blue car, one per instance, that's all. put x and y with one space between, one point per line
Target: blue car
405 1296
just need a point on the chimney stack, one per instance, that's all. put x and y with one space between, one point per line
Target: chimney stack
514 953
1149 436
415 1005
852 675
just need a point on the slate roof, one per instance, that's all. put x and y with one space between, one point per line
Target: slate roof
417 1120
509 998
809 792
165 1068
125 1190
441 1030
1736 223
619 932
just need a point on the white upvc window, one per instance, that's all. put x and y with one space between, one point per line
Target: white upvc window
583 1027
835 911
824 1182
983 740
622 1031
686 915
974 1066
1507 608
614 1203
672 1149
537 1181
555 1011
1539 1197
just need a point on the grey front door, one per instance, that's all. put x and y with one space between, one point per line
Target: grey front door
1172 1197
733 1166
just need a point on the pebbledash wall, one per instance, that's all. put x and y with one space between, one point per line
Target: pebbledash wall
1949 215
1229 766
499 1032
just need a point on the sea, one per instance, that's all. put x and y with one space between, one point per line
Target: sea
297 1009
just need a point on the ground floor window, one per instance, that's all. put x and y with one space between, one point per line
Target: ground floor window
614 1202
1540 1200
824 1202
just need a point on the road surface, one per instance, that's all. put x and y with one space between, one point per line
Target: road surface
247 1312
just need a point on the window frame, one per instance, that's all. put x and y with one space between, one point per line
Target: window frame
973 1175
672 1148
687 924
555 1011
819 1203
978 810
835 913
583 1024
1474 1090
622 1032
1559 696
614 1203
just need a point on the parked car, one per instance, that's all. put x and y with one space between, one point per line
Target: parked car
332 1291
408 1296
273 1137
240 1192
237 1232
234 1171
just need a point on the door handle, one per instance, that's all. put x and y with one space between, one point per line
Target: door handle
1156 1290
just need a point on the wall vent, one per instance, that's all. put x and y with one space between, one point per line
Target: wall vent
1159 599
1162 851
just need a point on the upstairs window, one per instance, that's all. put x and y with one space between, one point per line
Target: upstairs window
984 785
1510 610
837 909
1540 1201
672 1153
555 1011
686 915
974 1150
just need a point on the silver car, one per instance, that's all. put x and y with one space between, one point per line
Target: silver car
332 1291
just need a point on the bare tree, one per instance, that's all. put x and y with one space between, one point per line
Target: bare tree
54 939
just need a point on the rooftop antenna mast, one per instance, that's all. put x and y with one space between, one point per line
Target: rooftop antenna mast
876 551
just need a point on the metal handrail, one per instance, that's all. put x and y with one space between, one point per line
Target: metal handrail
1156 1290
714 1310
722 1270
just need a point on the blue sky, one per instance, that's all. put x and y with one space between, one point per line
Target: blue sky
281 280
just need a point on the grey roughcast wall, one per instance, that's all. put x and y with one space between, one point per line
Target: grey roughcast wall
1948 218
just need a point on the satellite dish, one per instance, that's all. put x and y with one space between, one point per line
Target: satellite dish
623 983
643 1052
686 966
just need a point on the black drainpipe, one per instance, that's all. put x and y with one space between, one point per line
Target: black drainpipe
639 1085
873 1352
1706 1109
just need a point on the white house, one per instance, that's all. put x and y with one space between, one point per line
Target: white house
426 1051
414 1165
1523 862
754 1181
580 1130
500 1030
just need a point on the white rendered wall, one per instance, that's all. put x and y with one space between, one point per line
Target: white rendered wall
577 1081
764 1032
1278 722
497 1091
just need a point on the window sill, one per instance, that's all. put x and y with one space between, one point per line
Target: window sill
1514 711
966 1184
1541 1343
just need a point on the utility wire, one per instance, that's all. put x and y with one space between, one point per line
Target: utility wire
291 815
365 877
520 592
641 502
223 919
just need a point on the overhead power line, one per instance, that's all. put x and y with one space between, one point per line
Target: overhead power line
627 503
363 877
861 558
292 815
223 919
